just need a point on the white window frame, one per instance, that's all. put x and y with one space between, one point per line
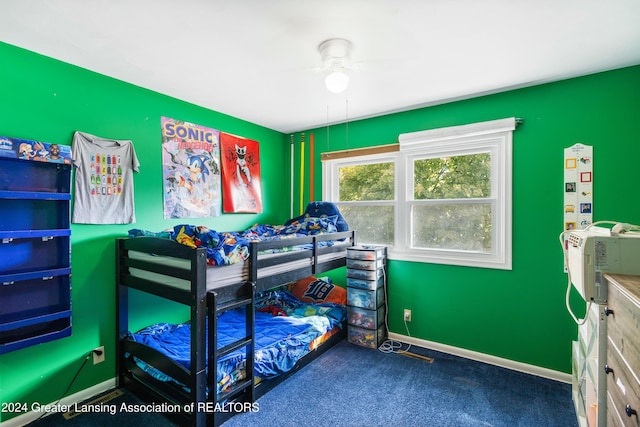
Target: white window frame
494 137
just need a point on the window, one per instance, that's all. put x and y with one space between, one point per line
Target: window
443 197
365 191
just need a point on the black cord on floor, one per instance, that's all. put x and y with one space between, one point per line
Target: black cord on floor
86 359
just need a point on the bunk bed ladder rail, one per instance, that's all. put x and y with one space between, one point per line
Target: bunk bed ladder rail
243 391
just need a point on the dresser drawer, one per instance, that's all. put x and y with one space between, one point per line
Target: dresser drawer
623 388
614 419
623 324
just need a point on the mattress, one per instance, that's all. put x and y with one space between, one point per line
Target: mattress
222 275
217 276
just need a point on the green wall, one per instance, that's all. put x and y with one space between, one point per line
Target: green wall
519 314
48 100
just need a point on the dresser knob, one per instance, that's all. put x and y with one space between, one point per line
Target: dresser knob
630 411
607 311
607 369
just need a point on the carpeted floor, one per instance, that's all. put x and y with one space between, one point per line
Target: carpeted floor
355 386
352 386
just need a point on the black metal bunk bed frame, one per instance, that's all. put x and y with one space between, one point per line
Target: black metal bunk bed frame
205 304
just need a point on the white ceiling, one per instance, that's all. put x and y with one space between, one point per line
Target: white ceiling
257 59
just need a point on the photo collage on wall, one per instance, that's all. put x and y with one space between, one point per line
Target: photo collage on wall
578 187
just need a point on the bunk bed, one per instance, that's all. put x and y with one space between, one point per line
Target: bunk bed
174 271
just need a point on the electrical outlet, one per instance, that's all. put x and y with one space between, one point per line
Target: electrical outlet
98 355
407 315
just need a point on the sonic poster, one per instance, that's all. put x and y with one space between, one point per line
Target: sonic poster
241 174
190 169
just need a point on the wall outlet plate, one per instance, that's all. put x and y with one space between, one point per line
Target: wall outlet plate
98 358
407 315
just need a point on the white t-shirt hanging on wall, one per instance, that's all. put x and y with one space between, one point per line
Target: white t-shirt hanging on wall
103 180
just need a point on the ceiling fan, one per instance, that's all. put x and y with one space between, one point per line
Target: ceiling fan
336 60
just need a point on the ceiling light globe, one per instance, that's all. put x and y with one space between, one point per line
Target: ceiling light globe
337 81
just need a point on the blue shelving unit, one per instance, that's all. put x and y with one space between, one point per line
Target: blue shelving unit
35 247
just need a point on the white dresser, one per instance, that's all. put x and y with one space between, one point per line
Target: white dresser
623 350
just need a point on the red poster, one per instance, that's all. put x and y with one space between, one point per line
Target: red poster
240 174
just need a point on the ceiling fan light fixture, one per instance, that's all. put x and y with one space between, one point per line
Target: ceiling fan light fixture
336 59
337 81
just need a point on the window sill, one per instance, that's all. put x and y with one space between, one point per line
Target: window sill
468 260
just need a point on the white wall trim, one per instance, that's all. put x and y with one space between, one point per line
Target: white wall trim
411 140
78 397
485 358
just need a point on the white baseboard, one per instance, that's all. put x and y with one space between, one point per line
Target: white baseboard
486 358
78 397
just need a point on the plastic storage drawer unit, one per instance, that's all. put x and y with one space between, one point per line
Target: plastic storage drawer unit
365 284
365 274
366 252
363 298
364 264
370 319
371 338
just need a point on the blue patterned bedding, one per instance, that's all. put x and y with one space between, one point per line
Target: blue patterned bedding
284 330
224 248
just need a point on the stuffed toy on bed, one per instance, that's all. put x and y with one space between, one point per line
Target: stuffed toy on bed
322 210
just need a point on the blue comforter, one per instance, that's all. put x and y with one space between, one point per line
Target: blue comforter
280 339
224 248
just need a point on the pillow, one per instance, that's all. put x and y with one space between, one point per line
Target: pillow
312 226
322 210
318 290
